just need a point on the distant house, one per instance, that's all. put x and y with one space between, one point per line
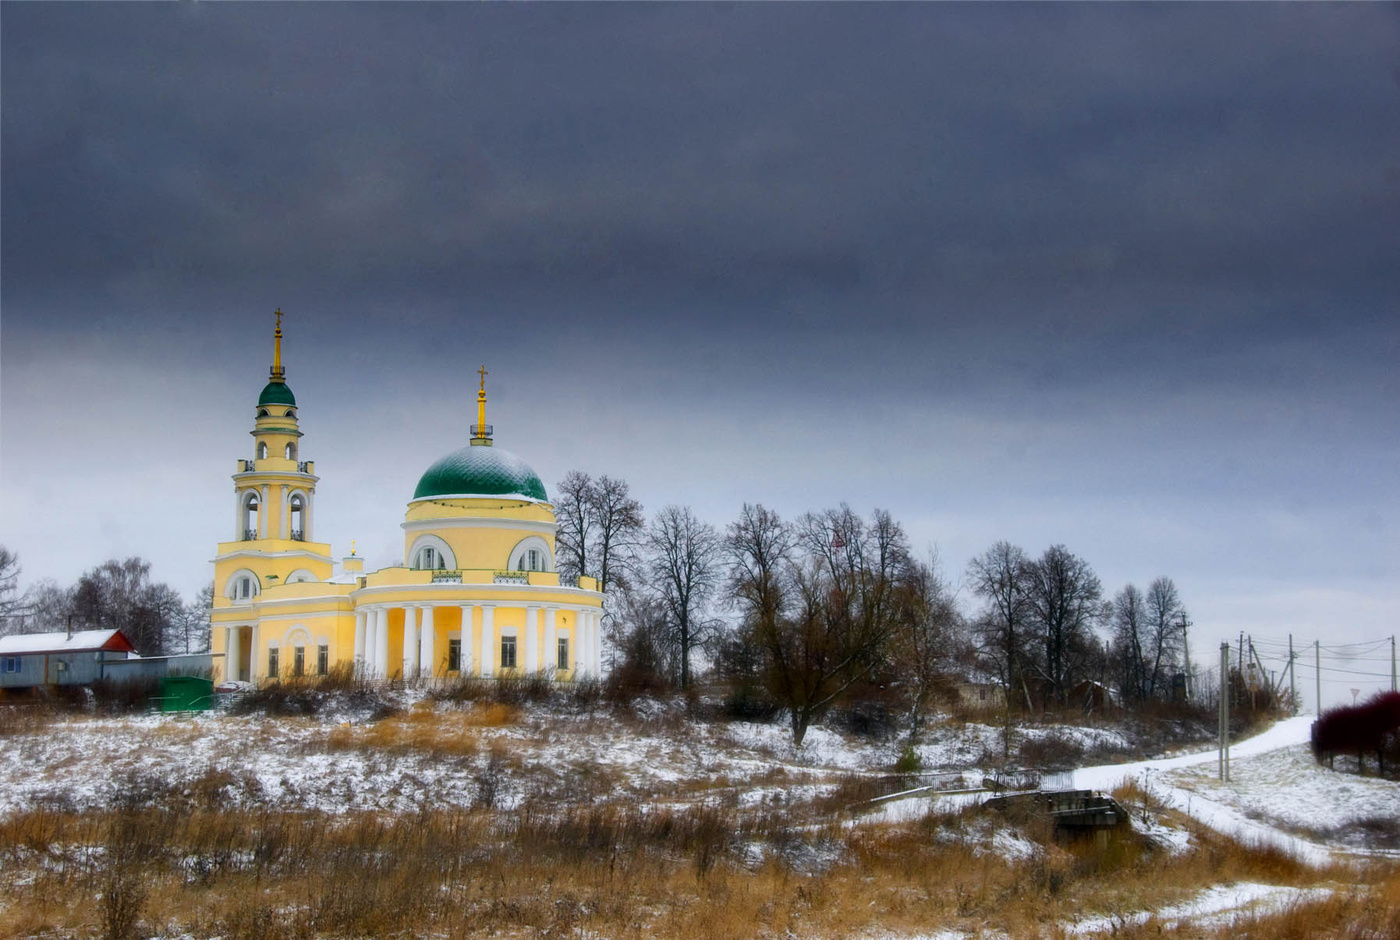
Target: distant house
981 696
35 659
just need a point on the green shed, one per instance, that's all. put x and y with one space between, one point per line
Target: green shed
186 694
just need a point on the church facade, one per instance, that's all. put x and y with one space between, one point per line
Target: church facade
477 593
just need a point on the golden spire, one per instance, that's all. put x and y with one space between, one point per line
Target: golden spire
278 374
481 431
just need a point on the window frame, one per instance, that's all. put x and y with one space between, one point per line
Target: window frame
508 644
563 654
13 664
323 659
454 654
272 661
298 661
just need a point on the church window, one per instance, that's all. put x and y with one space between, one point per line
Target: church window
507 652
262 413
297 512
430 559
291 412
323 660
563 652
454 655
291 452
250 516
299 661
262 450
245 588
272 663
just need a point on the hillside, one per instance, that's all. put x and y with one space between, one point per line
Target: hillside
575 818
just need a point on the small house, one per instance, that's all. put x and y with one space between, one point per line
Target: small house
28 660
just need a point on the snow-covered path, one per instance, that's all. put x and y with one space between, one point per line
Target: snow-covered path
1150 776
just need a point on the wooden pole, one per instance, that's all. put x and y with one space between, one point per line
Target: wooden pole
1225 711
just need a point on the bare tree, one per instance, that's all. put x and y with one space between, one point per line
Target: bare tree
1129 626
685 570
619 523
573 511
823 598
999 577
1166 625
192 624
119 595
50 607
1065 605
12 603
930 637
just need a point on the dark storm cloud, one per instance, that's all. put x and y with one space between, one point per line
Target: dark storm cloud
1037 162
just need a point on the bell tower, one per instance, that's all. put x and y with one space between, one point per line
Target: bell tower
274 501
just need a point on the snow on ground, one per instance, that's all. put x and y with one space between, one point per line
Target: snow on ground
1275 787
1216 907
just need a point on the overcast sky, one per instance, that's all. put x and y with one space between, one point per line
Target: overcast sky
1123 277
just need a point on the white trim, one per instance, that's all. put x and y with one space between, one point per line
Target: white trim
231 583
289 553
446 587
480 522
523 546
509 497
429 540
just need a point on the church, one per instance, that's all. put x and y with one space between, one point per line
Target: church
477 593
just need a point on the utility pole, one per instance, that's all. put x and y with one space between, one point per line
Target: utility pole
1225 711
1392 662
1186 651
1292 688
1317 670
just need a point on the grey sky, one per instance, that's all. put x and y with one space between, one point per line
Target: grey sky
1118 276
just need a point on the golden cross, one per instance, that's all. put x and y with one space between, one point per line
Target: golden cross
483 374
279 318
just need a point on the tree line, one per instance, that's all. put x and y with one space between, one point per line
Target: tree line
830 607
115 595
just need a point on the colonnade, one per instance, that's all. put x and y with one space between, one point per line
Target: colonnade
233 652
421 656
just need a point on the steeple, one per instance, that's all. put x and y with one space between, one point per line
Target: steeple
278 374
481 431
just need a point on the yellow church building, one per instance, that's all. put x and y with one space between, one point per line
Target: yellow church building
477 593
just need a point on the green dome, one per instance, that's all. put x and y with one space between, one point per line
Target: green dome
481 471
277 393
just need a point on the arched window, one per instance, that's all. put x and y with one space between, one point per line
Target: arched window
262 413
430 553
291 412
296 514
242 587
531 554
429 559
250 516
262 450
291 452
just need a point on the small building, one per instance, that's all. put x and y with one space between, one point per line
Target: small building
976 695
28 660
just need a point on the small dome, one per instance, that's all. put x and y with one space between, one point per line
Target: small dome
277 393
481 471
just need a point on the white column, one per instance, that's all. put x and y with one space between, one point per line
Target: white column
381 643
410 641
488 640
427 664
264 512
231 650
464 666
595 643
359 642
253 654
551 639
306 516
532 655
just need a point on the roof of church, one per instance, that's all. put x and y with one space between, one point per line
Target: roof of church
481 471
277 393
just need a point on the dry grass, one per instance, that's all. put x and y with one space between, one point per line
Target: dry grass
613 869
